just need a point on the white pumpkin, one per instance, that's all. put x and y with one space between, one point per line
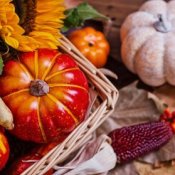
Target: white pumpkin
148 42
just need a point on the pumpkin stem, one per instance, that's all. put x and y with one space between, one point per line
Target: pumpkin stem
38 88
162 25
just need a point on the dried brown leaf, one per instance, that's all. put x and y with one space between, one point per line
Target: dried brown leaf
128 169
167 94
147 169
160 104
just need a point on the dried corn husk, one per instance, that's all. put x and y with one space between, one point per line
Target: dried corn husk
6 117
95 157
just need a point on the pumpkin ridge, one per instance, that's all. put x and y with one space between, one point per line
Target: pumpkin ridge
55 100
60 72
40 122
126 39
164 59
168 67
144 77
67 85
36 64
26 71
124 28
15 93
137 52
50 66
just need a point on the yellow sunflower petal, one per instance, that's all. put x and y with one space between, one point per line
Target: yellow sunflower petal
27 43
3 16
18 29
9 27
43 35
11 42
47 44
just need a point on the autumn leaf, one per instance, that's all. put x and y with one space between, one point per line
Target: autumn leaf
128 169
160 104
166 93
147 169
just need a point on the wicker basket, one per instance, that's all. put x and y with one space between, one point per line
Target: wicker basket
108 95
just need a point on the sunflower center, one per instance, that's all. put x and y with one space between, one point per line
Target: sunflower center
29 16
38 88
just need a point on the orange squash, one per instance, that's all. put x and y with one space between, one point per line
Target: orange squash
92 44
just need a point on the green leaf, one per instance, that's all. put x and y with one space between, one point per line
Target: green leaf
73 19
76 17
1 65
86 11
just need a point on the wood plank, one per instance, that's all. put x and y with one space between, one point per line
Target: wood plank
115 43
115 9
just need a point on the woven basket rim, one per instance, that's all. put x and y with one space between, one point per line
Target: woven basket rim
107 92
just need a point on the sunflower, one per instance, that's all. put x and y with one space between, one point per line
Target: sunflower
40 28
10 31
43 20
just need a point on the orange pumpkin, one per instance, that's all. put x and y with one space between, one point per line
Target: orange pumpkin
47 94
4 149
92 44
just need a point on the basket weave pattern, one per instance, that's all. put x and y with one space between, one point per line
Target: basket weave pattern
105 91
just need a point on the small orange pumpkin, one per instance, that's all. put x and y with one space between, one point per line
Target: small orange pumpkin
92 44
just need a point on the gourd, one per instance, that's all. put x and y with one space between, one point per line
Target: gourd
92 44
148 42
